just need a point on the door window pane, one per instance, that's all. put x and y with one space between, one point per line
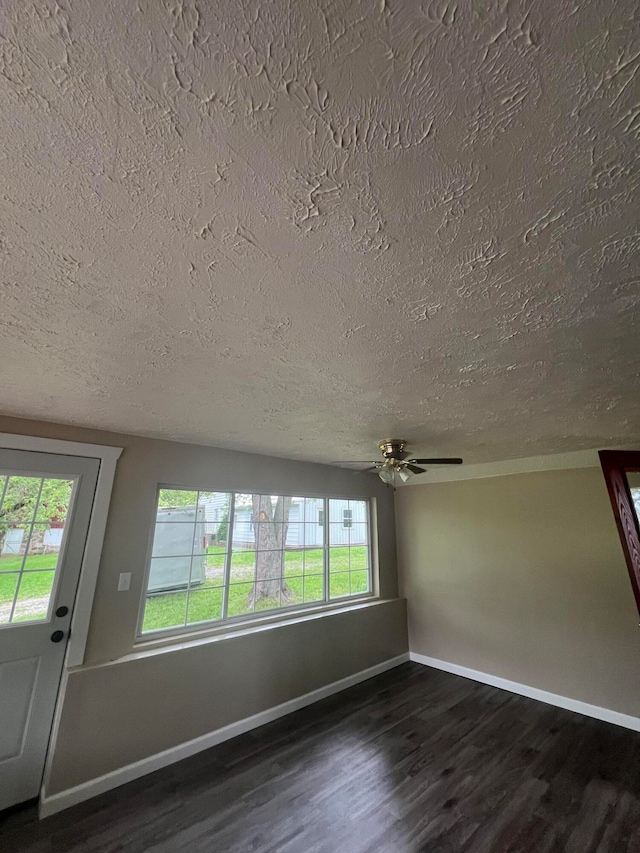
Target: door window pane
32 601
21 499
44 547
14 539
33 518
8 587
54 502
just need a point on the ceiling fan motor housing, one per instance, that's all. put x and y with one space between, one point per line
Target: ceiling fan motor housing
393 448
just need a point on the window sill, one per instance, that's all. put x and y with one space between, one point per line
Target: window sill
173 643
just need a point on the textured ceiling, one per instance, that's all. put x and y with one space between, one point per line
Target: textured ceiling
299 227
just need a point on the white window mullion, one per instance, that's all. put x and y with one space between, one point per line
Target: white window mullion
227 559
26 551
325 549
193 545
369 540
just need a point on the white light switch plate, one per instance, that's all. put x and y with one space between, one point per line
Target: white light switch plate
124 581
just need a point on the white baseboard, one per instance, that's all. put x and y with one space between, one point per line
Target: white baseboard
72 796
615 717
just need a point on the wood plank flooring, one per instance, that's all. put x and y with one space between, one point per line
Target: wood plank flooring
413 760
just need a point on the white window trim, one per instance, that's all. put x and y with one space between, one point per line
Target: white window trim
108 458
231 624
239 625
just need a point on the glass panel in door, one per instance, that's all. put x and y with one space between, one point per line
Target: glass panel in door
33 519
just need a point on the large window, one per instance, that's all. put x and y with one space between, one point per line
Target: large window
225 555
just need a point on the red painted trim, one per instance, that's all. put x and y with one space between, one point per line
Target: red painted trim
614 465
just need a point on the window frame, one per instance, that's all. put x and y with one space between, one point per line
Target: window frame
227 624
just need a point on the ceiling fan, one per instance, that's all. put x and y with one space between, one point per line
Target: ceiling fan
395 464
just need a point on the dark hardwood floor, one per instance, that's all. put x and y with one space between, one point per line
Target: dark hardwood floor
414 760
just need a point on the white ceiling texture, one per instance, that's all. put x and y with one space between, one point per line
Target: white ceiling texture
299 227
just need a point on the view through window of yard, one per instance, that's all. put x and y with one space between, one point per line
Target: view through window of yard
33 515
218 555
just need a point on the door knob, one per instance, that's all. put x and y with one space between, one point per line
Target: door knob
62 611
57 636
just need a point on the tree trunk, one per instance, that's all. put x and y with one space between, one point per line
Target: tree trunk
270 530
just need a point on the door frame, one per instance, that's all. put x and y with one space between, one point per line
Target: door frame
615 464
108 458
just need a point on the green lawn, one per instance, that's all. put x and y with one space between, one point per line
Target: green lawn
294 560
35 586
11 563
32 602
303 573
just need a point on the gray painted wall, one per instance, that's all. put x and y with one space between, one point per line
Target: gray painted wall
118 713
523 577
208 685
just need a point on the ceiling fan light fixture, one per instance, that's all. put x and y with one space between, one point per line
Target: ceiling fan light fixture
395 468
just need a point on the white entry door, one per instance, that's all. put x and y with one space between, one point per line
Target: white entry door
45 507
